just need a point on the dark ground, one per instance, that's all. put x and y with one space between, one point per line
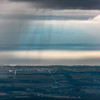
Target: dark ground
49 82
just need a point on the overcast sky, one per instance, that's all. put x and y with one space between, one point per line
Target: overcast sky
27 26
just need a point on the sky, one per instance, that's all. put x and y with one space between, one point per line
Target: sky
50 32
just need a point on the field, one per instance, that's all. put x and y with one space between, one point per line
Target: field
46 82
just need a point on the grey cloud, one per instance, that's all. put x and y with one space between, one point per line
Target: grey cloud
65 4
33 11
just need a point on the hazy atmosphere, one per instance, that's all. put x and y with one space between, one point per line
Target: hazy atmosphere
50 32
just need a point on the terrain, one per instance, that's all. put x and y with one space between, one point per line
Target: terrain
49 82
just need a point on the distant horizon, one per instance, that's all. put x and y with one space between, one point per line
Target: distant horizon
17 65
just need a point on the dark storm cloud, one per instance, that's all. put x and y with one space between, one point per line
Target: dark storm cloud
65 4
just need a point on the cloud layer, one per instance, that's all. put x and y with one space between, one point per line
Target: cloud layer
65 4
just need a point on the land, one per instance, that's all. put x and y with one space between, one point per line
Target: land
49 82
